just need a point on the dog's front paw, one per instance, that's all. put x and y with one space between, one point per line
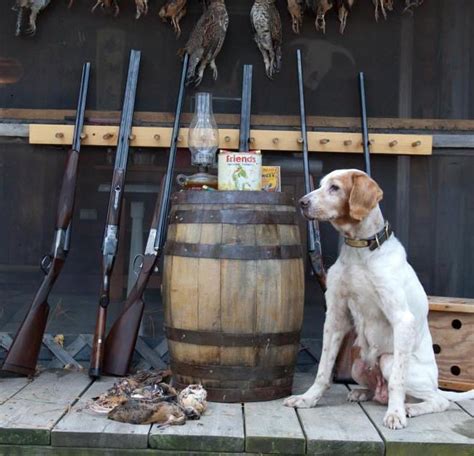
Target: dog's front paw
301 401
395 420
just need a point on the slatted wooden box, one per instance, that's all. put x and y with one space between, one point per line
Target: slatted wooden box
452 328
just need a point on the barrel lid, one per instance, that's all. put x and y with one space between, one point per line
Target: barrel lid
232 197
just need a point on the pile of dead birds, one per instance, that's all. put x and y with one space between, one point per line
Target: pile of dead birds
148 398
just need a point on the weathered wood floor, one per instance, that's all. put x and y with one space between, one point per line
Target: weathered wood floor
47 417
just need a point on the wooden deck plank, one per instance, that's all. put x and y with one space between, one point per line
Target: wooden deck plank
270 427
21 450
467 406
83 428
220 429
29 416
437 434
336 427
10 386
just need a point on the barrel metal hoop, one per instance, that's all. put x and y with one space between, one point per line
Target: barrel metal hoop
234 217
234 251
225 197
220 339
228 395
226 373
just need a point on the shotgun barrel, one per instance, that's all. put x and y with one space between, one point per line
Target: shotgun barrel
111 235
246 108
314 238
121 340
365 129
347 353
23 353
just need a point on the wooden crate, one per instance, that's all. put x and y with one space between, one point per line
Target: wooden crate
452 328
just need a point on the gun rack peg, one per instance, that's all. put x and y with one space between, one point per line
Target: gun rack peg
348 142
275 140
59 135
83 136
156 137
393 143
416 144
108 136
227 139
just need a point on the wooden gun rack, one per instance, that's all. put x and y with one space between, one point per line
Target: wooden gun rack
265 140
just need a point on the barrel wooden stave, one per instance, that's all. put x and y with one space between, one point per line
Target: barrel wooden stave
234 297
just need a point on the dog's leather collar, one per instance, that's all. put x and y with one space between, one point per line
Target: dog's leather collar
374 242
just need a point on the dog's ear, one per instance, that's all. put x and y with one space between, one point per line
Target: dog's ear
365 194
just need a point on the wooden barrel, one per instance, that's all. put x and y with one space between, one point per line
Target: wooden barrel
233 288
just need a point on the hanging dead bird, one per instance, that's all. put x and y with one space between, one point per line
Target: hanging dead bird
320 8
34 7
107 5
344 7
206 40
193 401
384 6
141 7
296 10
266 23
410 4
138 412
174 10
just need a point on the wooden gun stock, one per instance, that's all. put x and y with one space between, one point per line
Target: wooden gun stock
24 350
121 340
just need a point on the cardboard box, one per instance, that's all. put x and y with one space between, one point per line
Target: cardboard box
240 170
271 179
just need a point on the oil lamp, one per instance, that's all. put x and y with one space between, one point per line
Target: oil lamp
203 142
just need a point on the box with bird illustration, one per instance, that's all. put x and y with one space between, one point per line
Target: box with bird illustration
271 179
240 170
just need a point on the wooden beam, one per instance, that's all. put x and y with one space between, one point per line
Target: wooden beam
274 140
166 118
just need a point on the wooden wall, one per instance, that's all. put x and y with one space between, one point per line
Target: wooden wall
416 66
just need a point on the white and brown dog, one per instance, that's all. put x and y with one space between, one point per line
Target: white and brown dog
372 286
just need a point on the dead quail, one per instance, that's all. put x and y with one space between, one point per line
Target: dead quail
107 5
141 7
206 40
174 10
343 9
410 4
296 10
34 6
266 23
138 412
320 8
384 6
193 401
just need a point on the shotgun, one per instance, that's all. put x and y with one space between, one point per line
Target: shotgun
111 235
314 238
121 340
246 108
23 353
348 352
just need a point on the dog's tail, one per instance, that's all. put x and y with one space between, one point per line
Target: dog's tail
457 396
